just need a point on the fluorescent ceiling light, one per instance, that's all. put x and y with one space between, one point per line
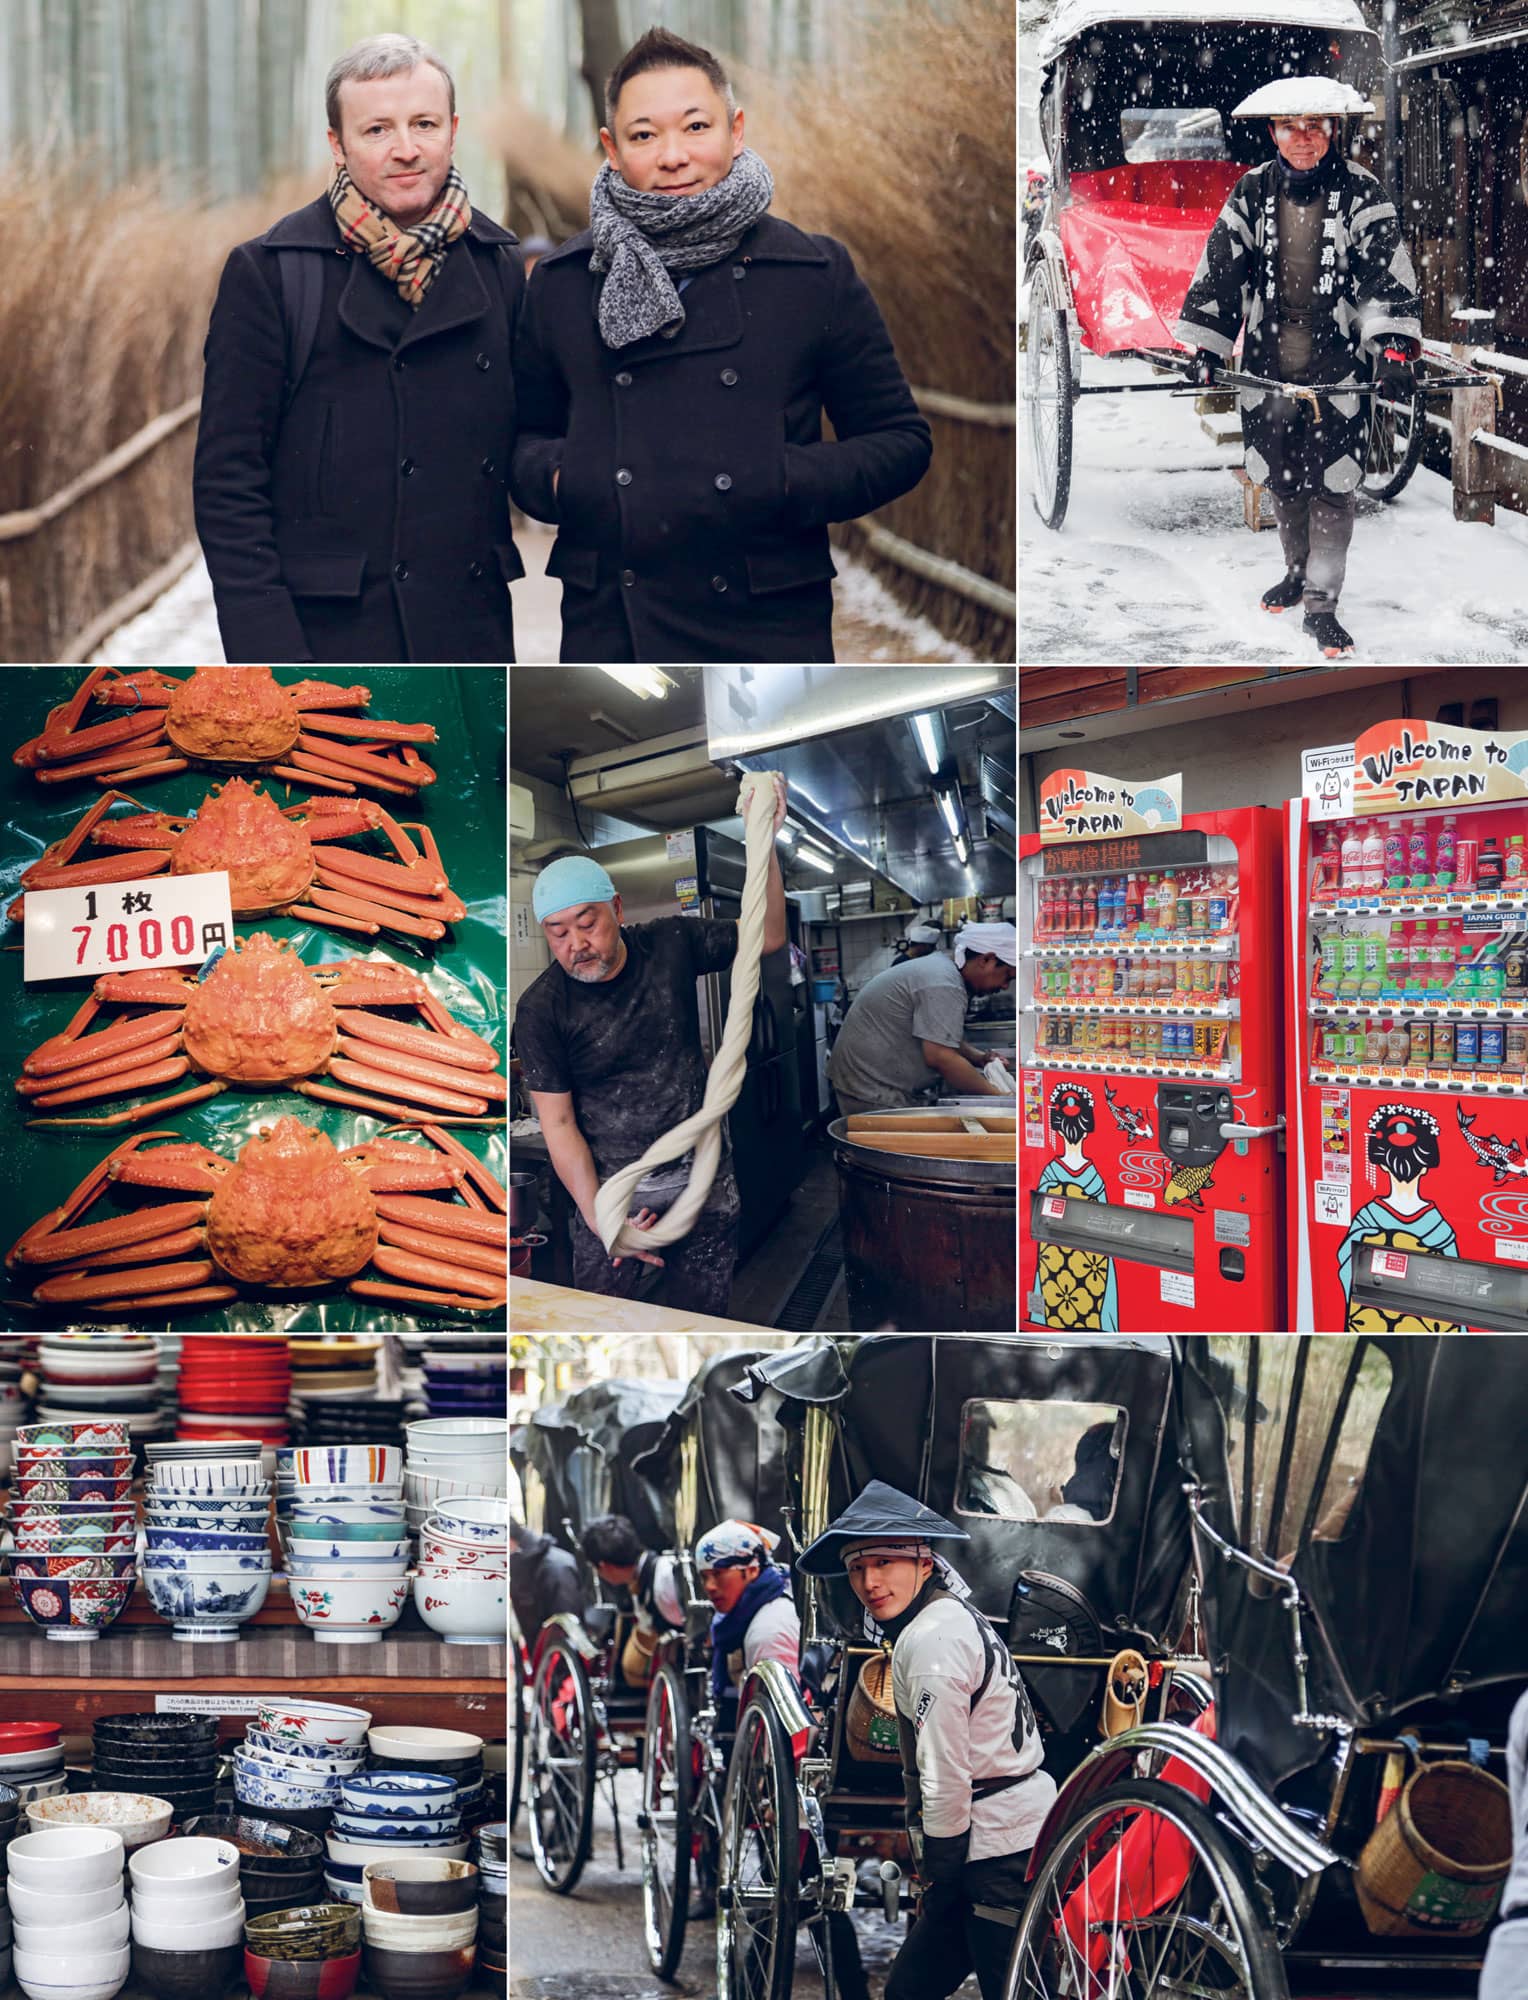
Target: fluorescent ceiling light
822 861
929 732
948 807
645 681
962 852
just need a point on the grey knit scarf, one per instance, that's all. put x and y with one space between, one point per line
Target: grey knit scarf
640 238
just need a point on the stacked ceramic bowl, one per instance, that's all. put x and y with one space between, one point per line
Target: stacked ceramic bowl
171 1757
453 1458
188 1918
137 1818
454 1753
310 1953
73 1524
207 1555
31 1764
234 1388
460 1383
10 1806
280 1866
69 1913
15 1404
293 1763
339 1512
463 1568
419 1918
491 1849
334 1393
101 1375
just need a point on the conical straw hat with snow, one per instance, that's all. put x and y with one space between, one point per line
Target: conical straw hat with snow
703 1128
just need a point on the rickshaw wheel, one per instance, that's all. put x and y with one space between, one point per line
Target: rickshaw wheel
1049 394
759 1890
668 1780
1397 433
1207 1939
517 1771
560 1767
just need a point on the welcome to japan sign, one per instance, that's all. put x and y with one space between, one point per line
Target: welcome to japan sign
1399 766
1085 805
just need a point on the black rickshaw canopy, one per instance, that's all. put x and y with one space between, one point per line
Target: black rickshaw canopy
583 1450
1388 1474
715 1456
946 1419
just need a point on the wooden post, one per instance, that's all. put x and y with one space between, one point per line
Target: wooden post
1472 410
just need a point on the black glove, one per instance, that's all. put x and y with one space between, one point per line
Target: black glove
1204 367
944 1858
1393 372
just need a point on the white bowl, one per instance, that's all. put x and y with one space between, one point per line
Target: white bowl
137 1817
65 1909
102 1933
379 1850
67 1858
168 1906
315 1722
73 1975
423 1747
447 1932
166 1934
470 1434
464 1606
196 1866
482 1510
346 1613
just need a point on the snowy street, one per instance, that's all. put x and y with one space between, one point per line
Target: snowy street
1155 563
181 627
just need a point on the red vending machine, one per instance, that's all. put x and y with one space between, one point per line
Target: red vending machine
1408 1012
1151 1196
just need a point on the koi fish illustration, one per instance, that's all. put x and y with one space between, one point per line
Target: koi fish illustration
1502 1156
1188 1184
1134 1124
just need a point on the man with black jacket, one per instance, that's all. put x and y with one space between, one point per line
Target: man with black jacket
543 1580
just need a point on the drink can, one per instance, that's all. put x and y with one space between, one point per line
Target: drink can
1217 913
1492 1044
1421 1043
1352 1044
1466 1042
1374 1041
1466 853
1443 1045
1137 1040
1201 975
1517 1048
1202 1042
1153 1038
1061 1031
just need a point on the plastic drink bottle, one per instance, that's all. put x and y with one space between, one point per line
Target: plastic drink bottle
1418 963
1167 902
1446 857
1419 854
1374 1040
1491 981
1352 861
1397 958
1218 904
1444 959
1090 909
1104 985
1149 904
1105 907
1515 865
1489 867
1373 872
1395 855
1397 1042
1329 864
1133 905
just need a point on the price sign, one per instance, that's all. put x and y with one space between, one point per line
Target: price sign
1053 1207
161 921
1389 1264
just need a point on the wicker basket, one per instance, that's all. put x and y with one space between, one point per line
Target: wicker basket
871 1723
637 1656
1435 1864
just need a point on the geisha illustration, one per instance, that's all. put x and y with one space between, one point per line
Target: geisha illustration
1403 1142
1077 1288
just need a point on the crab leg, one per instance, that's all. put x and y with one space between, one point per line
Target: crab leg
61 720
145 829
430 1271
82 1197
85 874
382 770
138 730
414 880
415 1070
333 920
336 819
65 1245
312 779
395 1176
111 1067
329 1093
157 1278
470 1255
150 986
105 770
378 732
455 1044
185 1168
374 1288
442 1217
68 1050
132 1114
313 770
366 912
442 1097
306 695
198 1295
474 1168
179 1243
427 908
148 688
125 1075
162 769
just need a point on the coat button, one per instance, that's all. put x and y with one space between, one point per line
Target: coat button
623 380
723 482
401 571
474 569
718 583
628 577
729 378
483 362
738 271
489 467
399 363
407 468
623 476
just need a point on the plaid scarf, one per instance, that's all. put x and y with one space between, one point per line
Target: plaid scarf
410 258
639 238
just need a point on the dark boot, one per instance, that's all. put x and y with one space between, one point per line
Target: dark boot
1327 633
1285 594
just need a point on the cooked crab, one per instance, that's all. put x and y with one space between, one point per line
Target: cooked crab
236 718
274 868
291 1214
260 1019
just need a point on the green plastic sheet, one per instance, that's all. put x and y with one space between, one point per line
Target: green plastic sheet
465 809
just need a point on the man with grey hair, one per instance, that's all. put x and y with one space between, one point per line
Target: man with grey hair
358 411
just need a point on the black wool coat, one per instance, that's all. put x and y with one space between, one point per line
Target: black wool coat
695 485
369 519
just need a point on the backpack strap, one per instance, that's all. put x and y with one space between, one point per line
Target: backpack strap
302 298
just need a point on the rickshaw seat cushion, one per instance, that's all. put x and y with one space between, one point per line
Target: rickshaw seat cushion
816 1664
599 1623
1133 236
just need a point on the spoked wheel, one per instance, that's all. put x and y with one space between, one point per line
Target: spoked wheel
1143 1897
560 1767
668 1786
758 1893
1048 393
1397 434
517 1724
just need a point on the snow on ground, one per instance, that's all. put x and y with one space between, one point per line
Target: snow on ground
181 628
1154 563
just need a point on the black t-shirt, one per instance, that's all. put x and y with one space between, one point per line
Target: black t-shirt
628 1048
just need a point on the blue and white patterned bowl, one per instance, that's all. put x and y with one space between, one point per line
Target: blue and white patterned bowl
216 1601
398 1832
203 1541
400 1794
208 1562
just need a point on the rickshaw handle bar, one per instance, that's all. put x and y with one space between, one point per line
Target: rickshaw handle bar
1235 378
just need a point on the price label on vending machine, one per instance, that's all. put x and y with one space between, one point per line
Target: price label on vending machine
1053 1207
1389 1264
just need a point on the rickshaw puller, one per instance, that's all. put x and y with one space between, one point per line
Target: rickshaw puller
1307 256
977 1796
1504 1976
543 1580
613 1549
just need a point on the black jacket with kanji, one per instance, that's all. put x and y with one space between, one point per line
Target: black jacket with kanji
1367 277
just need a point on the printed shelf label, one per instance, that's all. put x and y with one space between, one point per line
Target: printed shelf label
1390 1264
1177 1288
160 921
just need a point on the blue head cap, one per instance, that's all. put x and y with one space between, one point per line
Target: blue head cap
572 879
